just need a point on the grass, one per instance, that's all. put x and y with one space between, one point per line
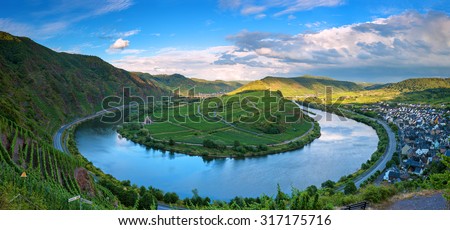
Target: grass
181 128
251 119
165 127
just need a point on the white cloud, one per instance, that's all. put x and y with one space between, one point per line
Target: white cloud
229 4
130 33
247 7
211 63
407 45
15 28
120 44
291 17
302 5
77 49
43 31
113 34
60 16
132 51
313 24
113 5
247 10
260 16
410 39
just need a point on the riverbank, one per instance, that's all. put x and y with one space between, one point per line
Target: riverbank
328 197
377 162
332 155
212 149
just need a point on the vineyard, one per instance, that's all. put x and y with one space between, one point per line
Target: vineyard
50 175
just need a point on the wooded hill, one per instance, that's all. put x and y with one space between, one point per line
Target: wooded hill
42 89
299 86
175 81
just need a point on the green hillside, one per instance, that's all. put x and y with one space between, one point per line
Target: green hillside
174 81
420 90
243 125
419 84
42 89
299 86
431 91
51 177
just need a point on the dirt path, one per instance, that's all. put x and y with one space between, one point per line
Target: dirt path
424 200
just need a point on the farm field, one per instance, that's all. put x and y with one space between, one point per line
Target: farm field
245 124
232 118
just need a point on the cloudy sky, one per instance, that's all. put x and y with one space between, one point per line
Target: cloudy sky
357 40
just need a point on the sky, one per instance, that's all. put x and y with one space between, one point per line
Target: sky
355 40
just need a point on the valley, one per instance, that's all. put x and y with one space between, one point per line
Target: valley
247 136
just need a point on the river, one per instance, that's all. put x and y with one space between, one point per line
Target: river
343 146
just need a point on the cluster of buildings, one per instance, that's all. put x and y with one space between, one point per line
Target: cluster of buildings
424 134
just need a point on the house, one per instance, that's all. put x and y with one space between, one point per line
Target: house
421 152
392 174
418 171
406 150
414 166
148 121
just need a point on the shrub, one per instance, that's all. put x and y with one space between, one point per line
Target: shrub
350 188
377 194
143 132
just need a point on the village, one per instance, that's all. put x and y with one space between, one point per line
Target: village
423 136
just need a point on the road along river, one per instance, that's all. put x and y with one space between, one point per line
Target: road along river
344 145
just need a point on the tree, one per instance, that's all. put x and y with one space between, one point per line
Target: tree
126 183
147 202
390 163
209 144
262 147
171 142
128 197
328 184
281 198
171 197
311 190
142 190
143 132
157 193
350 188
236 144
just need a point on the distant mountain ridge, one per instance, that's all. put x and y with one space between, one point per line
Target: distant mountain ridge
174 81
299 86
419 84
312 85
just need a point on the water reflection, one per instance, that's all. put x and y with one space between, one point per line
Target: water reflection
341 149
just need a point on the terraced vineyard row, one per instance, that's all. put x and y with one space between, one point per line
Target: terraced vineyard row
50 179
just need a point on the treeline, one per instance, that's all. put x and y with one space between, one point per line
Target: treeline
420 84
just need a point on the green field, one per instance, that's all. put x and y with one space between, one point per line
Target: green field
251 121
225 123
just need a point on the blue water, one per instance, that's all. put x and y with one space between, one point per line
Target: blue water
342 148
